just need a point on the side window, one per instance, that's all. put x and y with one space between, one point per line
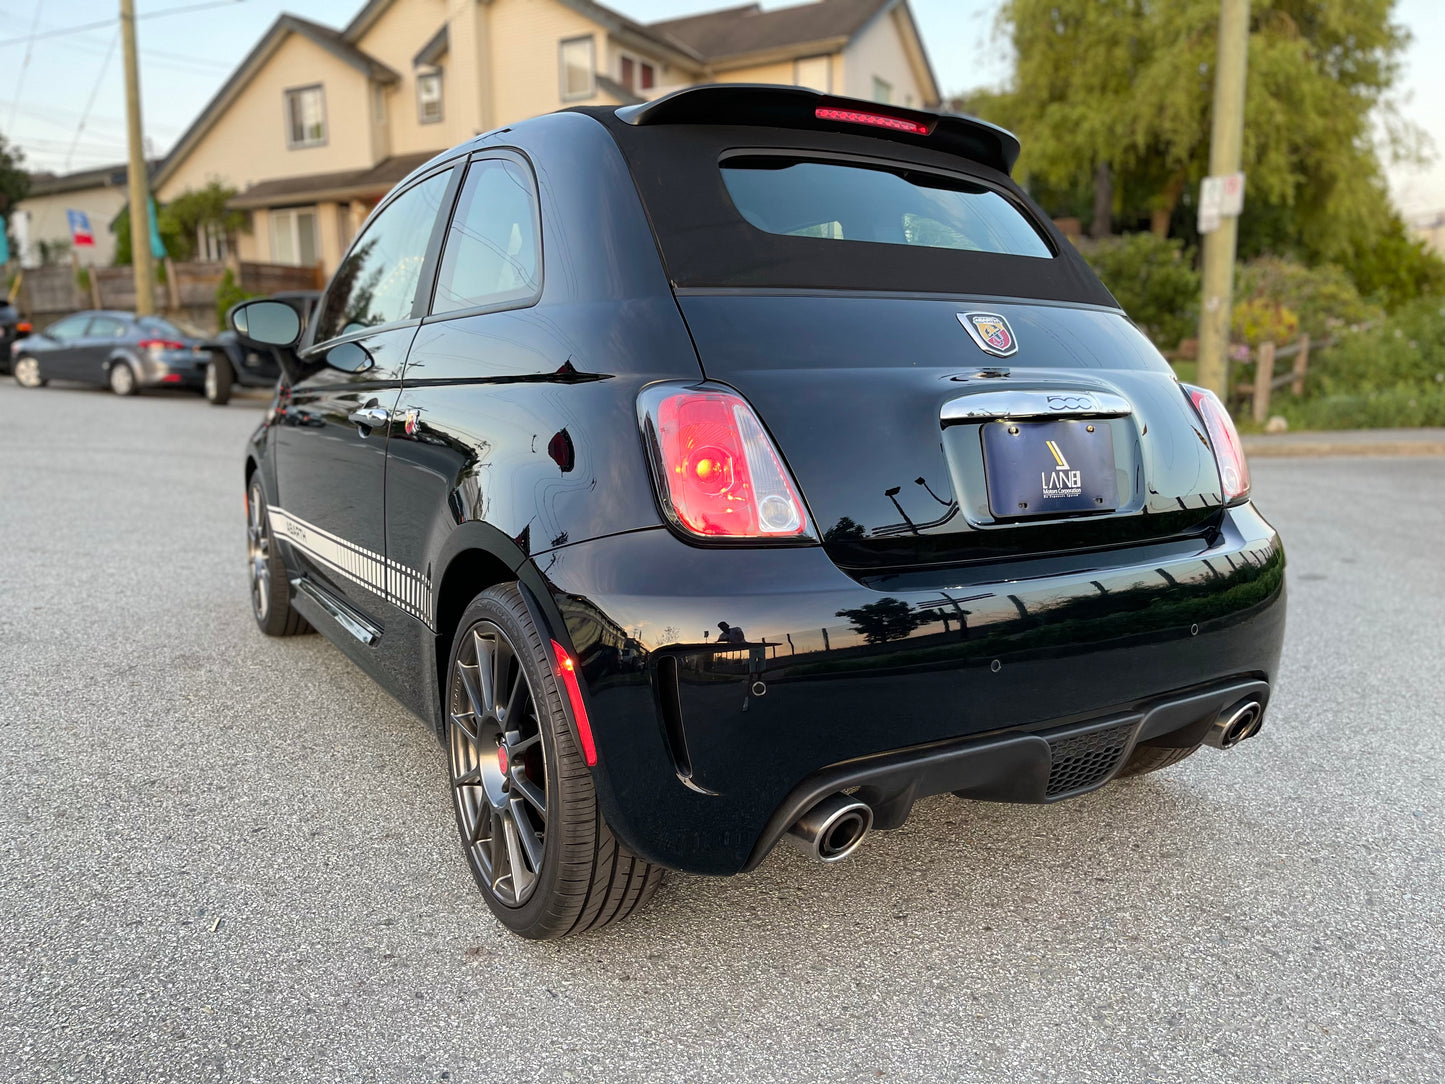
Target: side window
69 329
491 253
377 282
105 327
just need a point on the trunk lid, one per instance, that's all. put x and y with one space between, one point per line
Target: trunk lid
855 389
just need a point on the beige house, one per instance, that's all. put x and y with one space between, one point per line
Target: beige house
42 227
317 124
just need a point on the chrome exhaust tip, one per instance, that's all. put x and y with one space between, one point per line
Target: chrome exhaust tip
833 829
1235 724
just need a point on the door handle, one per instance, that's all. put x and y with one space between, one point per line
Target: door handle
370 417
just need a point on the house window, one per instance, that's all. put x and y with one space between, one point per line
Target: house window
429 97
882 90
305 117
578 69
293 237
635 73
813 72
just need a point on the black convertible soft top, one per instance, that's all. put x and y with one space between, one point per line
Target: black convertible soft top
673 147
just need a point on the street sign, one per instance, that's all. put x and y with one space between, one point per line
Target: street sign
79 228
1220 197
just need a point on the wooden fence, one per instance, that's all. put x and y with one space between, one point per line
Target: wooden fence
1265 382
54 290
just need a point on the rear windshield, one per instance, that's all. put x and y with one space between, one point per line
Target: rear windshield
894 206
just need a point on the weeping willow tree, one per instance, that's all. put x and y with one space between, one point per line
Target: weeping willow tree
1113 97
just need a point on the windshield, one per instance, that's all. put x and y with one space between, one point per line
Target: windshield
896 206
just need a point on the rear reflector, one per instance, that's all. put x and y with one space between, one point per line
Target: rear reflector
1224 439
876 120
718 474
567 673
171 378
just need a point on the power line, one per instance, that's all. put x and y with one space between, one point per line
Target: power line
111 22
25 64
90 102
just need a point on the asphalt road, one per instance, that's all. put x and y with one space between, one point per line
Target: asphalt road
230 858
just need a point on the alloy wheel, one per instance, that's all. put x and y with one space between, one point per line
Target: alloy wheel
498 765
258 553
122 379
27 372
211 381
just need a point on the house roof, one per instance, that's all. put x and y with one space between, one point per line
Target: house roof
333 41
739 31
341 184
53 184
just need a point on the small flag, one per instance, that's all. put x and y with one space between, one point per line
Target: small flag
79 228
158 250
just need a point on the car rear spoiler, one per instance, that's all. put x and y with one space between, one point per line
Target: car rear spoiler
811 110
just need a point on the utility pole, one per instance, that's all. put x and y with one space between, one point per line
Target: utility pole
1225 145
137 179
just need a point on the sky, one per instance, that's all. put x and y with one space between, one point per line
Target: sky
66 106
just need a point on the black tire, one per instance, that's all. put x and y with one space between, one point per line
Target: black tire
1151 758
270 588
586 878
26 371
219 378
122 379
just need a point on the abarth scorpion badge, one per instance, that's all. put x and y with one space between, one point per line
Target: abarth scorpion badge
991 332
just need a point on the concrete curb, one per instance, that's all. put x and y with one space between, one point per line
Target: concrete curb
1362 442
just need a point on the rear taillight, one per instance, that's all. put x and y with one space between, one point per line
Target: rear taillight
718 475
25 327
874 120
1224 439
160 344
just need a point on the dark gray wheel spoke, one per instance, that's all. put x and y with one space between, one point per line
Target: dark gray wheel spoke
529 790
473 688
466 722
486 674
527 834
516 745
472 778
522 877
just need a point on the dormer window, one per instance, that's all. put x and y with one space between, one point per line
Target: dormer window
635 73
429 97
305 117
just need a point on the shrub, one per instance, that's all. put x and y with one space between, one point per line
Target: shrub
1393 408
1323 297
1154 280
1406 349
1257 321
229 293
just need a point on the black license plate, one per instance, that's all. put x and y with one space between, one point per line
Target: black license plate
1049 468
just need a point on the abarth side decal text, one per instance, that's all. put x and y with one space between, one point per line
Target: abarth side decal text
403 587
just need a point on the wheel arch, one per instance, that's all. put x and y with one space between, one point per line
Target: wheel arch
475 557
124 355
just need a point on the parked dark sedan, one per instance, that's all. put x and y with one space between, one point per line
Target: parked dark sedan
237 360
744 466
12 329
116 349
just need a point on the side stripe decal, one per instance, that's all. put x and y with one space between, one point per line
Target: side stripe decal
403 587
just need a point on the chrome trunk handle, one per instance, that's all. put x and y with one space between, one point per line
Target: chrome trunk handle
1020 404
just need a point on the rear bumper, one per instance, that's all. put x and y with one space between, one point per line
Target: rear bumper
705 745
172 372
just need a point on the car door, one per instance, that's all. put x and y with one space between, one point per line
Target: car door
94 350
335 421
63 345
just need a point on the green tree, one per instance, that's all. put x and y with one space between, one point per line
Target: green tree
14 181
1118 93
181 220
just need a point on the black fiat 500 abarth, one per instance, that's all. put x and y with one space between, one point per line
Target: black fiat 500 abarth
744 466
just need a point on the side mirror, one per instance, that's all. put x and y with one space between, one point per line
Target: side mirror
272 323
349 357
